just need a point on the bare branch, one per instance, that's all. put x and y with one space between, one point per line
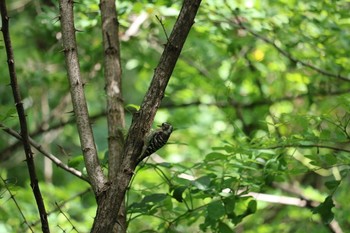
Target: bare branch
113 72
294 201
134 27
60 204
22 119
296 145
295 189
6 152
16 204
115 102
162 24
254 104
66 217
143 119
94 170
53 158
220 104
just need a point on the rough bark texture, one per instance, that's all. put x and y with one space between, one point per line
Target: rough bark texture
110 201
115 105
112 73
96 177
34 184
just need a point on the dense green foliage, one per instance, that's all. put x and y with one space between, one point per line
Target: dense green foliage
259 99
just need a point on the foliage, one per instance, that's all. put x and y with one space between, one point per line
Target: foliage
259 98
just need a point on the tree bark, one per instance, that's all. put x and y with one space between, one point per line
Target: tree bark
94 170
110 201
115 104
34 183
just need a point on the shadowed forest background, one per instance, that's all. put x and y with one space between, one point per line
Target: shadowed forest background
259 100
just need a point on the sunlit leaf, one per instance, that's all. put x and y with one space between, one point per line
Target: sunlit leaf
76 161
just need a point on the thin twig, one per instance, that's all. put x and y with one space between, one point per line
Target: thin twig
333 226
134 27
16 203
285 53
305 146
162 24
53 158
222 104
8 150
22 119
63 203
66 217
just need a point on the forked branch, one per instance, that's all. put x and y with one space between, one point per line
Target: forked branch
111 201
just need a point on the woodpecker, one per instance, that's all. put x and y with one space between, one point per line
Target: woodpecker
156 140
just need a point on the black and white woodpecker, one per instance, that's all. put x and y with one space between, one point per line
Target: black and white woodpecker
156 140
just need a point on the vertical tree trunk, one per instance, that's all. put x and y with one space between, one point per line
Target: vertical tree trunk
111 200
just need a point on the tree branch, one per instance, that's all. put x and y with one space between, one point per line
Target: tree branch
94 170
285 53
6 152
294 188
254 104
63 203
293 201
142 120
115 103
53 158
22 119
330 147
113 72
12 196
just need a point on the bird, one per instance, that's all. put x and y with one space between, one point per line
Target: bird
156 140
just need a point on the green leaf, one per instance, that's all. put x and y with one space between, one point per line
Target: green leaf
230 203
251 207
325 210
165 164
329 159
202 183
214 156
104 161
344 173
178 191
154 198
11 111
215 210
132 108
76 161
224 228
332 185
